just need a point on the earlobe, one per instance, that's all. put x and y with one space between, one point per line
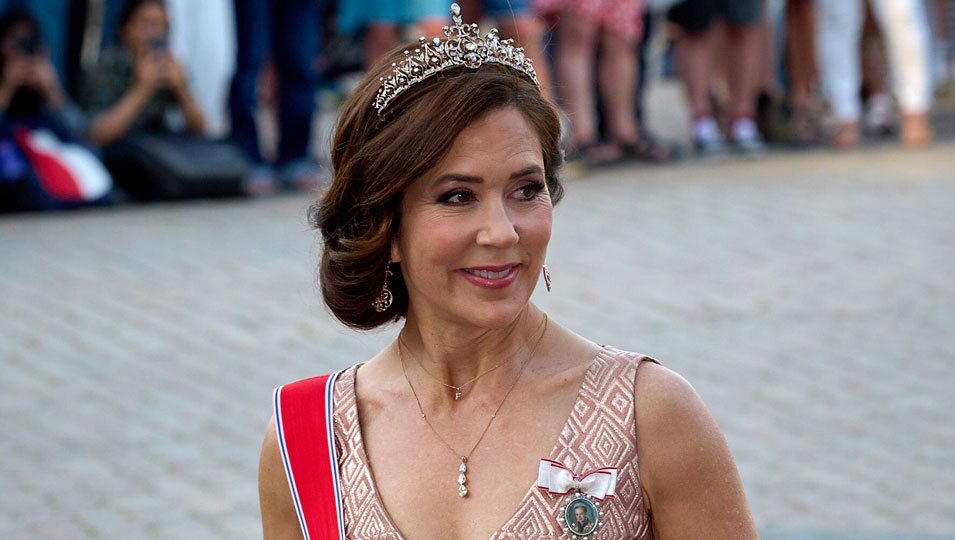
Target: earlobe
395 253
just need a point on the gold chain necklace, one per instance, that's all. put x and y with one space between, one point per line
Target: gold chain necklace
463 468
458 390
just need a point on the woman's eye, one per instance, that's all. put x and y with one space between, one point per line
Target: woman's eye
458 196
529 191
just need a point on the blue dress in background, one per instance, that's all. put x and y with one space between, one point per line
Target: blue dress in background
356 14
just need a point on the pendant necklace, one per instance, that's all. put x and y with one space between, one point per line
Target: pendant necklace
463 468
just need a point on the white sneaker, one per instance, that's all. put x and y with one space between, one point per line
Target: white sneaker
746 138
707 138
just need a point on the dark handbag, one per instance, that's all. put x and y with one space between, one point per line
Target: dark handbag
177 166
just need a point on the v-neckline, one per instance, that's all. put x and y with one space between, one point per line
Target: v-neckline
553 454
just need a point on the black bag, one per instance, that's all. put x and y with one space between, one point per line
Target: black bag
163 165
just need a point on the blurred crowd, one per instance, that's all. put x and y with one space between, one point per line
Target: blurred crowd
105 101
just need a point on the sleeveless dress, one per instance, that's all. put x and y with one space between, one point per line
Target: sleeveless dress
598 433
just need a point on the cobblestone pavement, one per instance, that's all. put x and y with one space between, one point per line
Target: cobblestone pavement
810 298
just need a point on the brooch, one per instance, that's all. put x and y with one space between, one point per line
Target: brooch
580 514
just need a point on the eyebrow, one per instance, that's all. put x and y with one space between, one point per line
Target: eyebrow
453 177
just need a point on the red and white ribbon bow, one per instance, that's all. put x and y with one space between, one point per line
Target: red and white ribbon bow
556 478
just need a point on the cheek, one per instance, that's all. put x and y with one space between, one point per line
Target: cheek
433 238
535 228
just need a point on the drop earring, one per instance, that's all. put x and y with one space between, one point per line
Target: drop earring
547 281
384 300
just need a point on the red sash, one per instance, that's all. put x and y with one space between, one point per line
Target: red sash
306 434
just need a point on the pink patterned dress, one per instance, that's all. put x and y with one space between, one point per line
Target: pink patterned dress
599 432
624 17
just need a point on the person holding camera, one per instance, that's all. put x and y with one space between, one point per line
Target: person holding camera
27 74
42 166
140 84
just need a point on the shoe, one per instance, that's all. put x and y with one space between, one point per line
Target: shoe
803 126
593 155
771 119
648 149
846 136
746 138
880 118
707 139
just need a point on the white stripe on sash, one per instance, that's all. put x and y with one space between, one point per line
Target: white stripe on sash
276 399
330 426
332 452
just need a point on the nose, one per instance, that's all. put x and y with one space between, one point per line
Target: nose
497 227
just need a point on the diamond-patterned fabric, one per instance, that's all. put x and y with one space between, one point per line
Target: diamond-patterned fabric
598 433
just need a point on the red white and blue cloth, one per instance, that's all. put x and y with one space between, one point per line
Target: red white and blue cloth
304 421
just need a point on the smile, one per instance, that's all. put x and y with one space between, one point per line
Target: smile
487 274
491 277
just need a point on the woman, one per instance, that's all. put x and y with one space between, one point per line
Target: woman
139 84
905 26
439 216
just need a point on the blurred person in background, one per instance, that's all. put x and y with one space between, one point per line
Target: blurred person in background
382 22
29 86
784 108
614 28
943 16
516 20
52 18
41 166
288 32
139 84
205 45
800 44
879 115
698 29
904 25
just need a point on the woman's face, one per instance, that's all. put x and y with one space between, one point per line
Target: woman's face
146 25
474 230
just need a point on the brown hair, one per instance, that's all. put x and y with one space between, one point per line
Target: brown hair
373 161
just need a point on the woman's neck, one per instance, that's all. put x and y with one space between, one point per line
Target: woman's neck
458 359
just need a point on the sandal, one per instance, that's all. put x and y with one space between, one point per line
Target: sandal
592 154
846 136
805 131
648 149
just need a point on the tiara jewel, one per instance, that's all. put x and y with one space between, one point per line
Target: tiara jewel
462 46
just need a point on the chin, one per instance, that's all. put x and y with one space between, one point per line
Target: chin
495 314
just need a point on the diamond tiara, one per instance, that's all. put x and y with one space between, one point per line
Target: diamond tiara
462 46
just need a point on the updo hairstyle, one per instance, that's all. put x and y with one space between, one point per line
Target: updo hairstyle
374 159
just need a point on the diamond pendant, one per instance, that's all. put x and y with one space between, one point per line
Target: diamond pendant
462 478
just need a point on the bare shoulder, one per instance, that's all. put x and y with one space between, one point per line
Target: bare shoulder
686 468
662 393
279 521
